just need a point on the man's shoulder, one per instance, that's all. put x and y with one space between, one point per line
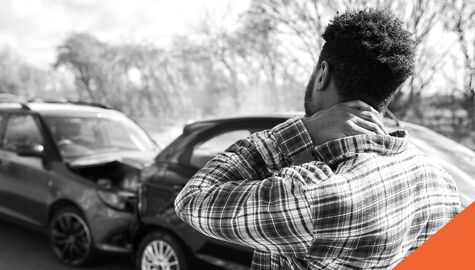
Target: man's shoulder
412 162
432 174
431 164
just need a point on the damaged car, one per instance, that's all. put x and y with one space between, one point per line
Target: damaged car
72 170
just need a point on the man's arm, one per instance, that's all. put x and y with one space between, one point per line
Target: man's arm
265 152
236 198
248 195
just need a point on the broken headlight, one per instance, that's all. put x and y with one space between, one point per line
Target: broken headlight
130 181
119 200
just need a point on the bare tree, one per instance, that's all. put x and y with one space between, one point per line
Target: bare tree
462 23
301 19
19 78
81 53
303 22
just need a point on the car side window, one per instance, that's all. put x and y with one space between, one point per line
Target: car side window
21 129
206 150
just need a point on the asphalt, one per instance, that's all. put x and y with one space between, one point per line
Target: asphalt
22 248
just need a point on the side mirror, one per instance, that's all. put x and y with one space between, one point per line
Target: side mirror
30 150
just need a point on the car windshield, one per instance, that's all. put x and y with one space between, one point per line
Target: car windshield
81 136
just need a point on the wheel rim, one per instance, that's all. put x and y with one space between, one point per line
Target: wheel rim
70 238
160 255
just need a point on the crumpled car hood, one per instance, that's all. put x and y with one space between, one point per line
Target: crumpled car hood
136 159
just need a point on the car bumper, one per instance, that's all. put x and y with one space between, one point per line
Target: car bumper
111 229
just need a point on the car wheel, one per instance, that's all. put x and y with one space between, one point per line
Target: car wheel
160 251
71 238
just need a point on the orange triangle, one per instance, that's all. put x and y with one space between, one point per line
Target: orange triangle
452 247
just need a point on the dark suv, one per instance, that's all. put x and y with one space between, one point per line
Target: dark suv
163 241
72 170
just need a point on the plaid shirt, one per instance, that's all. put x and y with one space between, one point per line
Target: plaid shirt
365 202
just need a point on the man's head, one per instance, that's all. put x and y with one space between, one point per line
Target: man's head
367 55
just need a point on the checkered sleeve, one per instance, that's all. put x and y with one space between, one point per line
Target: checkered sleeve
247 195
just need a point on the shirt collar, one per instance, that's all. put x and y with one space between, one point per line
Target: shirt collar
347 147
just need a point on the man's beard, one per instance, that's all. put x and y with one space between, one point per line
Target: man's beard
309 94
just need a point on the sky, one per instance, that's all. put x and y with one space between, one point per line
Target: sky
34 28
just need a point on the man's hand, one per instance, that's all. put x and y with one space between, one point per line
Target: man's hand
342 120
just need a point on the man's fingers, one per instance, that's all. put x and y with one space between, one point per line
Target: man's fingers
357 129
371 117
360 105
366 115
368 126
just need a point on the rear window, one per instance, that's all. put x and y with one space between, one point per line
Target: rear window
209 148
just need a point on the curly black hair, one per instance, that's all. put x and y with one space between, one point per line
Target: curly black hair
370 55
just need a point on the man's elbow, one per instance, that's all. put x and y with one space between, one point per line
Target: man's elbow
180 205
189 202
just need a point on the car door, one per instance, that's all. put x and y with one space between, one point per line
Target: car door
24 179
202 151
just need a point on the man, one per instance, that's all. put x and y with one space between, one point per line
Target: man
365 202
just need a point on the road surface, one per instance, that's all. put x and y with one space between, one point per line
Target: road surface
24 249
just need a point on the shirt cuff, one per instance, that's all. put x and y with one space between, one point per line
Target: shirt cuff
292 137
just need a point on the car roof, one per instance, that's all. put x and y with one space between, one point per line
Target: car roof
57 109
278 116
215 121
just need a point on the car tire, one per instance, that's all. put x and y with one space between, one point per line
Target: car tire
157 249
70 237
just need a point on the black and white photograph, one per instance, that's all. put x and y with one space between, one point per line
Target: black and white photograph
234 134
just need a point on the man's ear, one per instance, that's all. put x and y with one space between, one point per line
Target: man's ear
323 78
